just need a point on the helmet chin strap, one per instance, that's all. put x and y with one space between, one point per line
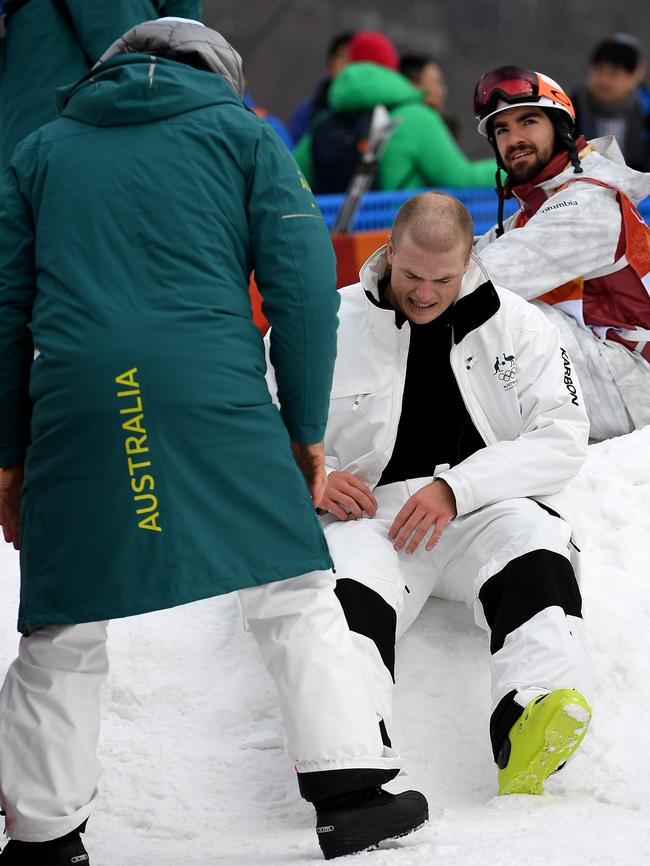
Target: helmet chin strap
500 194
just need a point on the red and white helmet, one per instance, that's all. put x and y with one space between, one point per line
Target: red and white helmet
509 86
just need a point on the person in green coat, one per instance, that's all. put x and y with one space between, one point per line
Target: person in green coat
421 151
157 470
51 43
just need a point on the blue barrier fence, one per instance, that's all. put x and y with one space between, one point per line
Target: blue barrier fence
379 208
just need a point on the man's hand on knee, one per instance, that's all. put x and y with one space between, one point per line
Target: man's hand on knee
11 482
346 496
432 506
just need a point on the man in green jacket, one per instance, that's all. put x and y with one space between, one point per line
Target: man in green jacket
157 471
421 151
51 43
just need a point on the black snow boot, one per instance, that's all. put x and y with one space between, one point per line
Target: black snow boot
65 851
362 819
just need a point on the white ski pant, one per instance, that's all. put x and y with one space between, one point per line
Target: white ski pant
50 703
535 647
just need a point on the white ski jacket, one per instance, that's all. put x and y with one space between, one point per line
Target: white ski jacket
570 238
516 380
574 233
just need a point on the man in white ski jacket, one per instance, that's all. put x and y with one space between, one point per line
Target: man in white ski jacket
577 247
455 422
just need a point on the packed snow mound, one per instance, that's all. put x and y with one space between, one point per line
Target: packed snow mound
192 739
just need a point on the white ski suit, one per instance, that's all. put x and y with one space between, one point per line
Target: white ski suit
518 385
570 231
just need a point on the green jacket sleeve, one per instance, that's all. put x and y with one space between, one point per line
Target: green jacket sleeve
100 23
295 272
17 291
422 144
302 155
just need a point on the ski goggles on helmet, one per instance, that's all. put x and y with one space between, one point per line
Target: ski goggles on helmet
515 85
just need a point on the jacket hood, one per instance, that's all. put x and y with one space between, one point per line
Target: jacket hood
602 159
362 86
184 40
134 88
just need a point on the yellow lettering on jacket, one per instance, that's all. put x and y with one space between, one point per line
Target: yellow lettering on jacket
128 378
135 444
134 424
131 404
140 484
150 500
150 523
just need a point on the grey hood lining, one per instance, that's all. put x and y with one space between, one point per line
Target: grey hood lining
185 41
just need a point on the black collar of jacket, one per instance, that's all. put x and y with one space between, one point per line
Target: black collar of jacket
469 312
473 310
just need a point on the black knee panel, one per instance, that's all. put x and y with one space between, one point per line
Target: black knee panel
526 586
368 614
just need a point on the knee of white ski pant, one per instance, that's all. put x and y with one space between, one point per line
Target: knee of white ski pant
362 551
307 646
509 530
49 729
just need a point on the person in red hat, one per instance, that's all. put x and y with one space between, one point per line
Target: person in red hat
372 47
421 151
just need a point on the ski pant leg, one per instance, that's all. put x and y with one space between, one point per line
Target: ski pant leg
512 562
371 588
49 729
330 721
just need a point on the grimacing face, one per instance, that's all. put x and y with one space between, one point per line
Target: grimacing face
525 138
424 282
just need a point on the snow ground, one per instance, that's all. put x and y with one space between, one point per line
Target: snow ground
195 773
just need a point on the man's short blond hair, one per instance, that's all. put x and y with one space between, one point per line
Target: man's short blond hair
434 221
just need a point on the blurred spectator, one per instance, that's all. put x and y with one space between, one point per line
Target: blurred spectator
614 101
49 43
423 71
337 58
274 121
373 47
421 151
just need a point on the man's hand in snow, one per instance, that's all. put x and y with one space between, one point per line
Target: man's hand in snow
11 482
346 496
432 506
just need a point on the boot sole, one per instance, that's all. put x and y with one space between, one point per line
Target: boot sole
561 726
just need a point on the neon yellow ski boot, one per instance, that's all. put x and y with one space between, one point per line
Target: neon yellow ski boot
546 734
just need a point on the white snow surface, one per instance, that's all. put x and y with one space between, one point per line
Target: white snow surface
195 771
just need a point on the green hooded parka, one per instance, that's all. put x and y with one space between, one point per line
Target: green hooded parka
157 469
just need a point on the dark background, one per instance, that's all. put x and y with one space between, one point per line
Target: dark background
283 42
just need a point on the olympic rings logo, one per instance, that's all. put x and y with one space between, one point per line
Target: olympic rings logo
507 375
